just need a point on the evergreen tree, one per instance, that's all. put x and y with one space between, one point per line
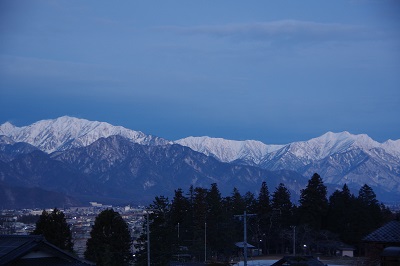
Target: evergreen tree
162 232
263 201
179 207
200 208
282 203
368 211
53 226
237 203
250 202
283 218
110 240
367 196
180 218
263 216
313 203
214 220
341 214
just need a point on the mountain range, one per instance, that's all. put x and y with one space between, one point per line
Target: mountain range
79 161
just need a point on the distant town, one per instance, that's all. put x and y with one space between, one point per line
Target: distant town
80 219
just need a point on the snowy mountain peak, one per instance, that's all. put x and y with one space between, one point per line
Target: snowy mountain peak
256 152
6 127
229 150
330 143
67 132
327 145
393 146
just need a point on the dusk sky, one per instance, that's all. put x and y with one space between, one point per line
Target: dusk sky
275 71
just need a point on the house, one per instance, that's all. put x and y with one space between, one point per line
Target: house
387 236
32 250
250 248
345 251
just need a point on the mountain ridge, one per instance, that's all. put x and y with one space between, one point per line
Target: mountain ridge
339 157
67 132
114 168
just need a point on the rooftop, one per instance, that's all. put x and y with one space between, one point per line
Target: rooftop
389 233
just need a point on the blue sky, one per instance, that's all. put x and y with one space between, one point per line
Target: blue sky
275 71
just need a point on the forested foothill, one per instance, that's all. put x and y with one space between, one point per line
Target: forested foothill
200 224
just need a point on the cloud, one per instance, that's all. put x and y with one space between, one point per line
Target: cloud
29 72
284 29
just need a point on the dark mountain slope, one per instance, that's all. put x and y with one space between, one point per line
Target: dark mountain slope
114 169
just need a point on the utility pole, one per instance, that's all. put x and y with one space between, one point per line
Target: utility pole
205 242
148 236
245 238
245 235
294 240
179 243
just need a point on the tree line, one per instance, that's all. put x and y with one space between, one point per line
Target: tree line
109 243
203 225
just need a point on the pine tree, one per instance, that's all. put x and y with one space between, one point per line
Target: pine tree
250 202
367 196
313 203
219 238
110 240
281 203
180 219
341 214
214 217
282 217
162 231
53 226
237 203
369 210
264 217
200 208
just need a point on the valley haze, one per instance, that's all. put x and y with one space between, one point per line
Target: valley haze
84 160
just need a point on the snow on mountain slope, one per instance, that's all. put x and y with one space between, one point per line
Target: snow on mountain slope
6 128
67 132
229 150
339 157
330 143
303 152
392 146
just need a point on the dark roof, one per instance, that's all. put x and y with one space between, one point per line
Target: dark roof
14 247
241 245
299 261
389 233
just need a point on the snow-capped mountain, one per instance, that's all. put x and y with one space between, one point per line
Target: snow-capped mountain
305 151
250 151
338 157
68 132
118 170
